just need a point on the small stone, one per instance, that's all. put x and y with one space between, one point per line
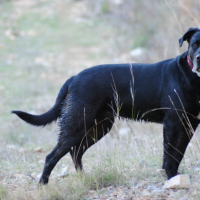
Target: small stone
161 172
179 181
38 176
64 172
33 174
41 161
146 193
117 2
137 52
38 149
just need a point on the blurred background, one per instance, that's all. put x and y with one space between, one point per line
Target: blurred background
44 42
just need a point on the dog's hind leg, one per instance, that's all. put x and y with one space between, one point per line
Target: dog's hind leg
76 153
100 129
61 149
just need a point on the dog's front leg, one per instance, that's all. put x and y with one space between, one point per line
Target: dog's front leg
165 147
176 139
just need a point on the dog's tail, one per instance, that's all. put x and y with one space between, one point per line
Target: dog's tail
49 116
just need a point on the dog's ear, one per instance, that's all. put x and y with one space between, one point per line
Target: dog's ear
187 35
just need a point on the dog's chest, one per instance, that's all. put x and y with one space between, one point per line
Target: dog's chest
198 116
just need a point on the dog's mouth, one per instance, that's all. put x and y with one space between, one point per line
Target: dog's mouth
196 65
196 68
196 62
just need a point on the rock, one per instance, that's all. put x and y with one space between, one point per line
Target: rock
38 176
9 34
146 193
162 172
41 161
179 181
38 149
64 172
117 2
137 52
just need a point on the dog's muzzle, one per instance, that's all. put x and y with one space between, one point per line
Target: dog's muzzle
197 62
197 57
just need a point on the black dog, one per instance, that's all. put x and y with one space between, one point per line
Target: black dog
166 92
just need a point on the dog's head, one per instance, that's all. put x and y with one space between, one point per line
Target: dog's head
193 38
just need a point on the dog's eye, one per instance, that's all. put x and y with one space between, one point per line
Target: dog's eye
194 46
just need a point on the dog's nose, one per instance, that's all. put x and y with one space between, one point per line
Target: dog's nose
198 57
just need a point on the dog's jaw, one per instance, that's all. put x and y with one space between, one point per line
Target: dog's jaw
194 70
196 66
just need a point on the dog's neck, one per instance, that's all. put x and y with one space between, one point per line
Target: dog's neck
189 61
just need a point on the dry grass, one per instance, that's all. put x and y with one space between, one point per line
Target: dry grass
123 160
42 44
